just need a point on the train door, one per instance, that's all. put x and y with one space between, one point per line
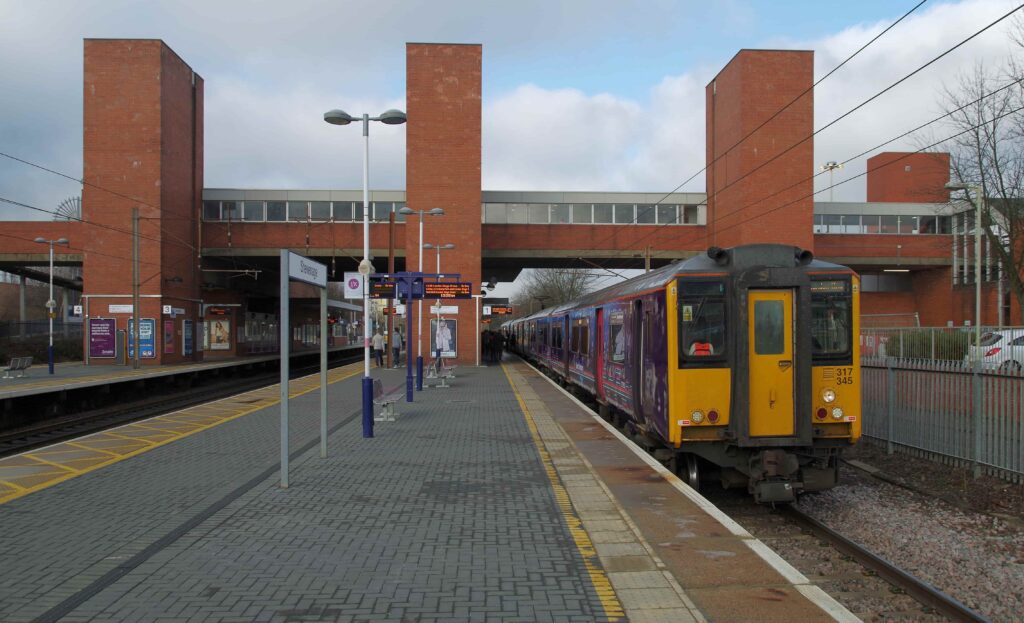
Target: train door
599 350
639 352
770 331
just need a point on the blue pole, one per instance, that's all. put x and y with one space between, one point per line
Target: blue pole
408 334
367 407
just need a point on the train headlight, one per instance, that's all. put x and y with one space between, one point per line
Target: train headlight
828 395
697 416
837 413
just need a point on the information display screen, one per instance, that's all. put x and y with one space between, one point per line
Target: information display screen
499 310
381 288
829 287
448 290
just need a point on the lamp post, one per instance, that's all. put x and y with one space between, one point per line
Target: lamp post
388 117
476 305
419 304
831 167
439 247
51 305
967 188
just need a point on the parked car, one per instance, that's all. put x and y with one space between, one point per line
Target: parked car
1001 350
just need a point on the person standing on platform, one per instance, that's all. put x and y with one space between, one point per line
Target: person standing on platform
396 345
378 348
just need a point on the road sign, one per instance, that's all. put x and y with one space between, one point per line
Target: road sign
447 290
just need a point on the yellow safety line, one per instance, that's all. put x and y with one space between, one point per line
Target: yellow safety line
51 463
602 586
117 457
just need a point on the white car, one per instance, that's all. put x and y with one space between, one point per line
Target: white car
1001 350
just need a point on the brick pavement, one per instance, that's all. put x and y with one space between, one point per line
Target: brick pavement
447 515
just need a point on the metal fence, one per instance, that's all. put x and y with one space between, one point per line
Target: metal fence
942 343
951 411
31 328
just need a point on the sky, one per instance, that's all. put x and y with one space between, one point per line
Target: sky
577 94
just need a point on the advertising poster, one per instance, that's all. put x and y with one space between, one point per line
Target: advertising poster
220 334
168 336
186 338
147 337
102 337
444 335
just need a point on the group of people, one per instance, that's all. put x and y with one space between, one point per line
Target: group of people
378 344
493 344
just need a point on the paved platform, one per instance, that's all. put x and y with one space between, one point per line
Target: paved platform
496 499
76 375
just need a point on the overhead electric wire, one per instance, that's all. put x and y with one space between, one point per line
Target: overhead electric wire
842 116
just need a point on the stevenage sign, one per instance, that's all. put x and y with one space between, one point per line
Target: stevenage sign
308 271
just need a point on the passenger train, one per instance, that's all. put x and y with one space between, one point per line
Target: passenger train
740 363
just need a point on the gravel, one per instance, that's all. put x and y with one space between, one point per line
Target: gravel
974 556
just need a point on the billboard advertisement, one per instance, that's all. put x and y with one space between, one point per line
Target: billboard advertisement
102 337
444 335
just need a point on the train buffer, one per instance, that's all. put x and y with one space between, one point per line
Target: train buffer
386 401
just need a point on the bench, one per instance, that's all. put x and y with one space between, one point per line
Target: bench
446 372
19 365
385 401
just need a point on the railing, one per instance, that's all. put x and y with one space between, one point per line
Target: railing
14 330
939 343
956 412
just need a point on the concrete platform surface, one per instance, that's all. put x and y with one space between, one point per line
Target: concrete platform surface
494 499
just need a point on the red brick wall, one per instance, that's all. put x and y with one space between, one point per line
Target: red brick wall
443 87
142 140
748 204
908 177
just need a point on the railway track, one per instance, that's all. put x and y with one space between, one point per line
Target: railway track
59 429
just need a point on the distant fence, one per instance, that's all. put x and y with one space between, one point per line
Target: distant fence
946 410
14 330
943 343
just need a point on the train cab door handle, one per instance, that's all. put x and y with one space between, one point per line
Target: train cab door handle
771 398
785 364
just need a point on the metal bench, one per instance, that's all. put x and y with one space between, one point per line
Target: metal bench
19 365
445 373
385 401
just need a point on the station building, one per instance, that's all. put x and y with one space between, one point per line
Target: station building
210 255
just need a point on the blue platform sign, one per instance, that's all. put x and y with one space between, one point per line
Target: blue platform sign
147 337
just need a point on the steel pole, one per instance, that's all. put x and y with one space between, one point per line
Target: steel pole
977 270
476 307
50 310
323 372
367 381
419 319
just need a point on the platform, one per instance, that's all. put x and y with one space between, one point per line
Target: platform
77 375
496 499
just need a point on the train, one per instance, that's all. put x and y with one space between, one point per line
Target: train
739 365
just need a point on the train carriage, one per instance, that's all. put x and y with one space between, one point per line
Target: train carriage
741 359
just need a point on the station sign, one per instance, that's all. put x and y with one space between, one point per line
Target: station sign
382 288
447 290
306 270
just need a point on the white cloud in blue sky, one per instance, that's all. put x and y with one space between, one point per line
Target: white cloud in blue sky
577 95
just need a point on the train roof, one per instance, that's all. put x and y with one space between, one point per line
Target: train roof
716 261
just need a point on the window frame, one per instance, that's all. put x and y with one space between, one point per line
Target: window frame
719 359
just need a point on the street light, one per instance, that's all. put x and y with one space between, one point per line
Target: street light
967 188
476 305
831 167
439 247
51 305
388 117
419 304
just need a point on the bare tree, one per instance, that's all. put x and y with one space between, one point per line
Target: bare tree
985 109
550 287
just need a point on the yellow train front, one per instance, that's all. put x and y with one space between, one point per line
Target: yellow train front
740 365
767 386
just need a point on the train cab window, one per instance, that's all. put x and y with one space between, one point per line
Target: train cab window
831 318
702 323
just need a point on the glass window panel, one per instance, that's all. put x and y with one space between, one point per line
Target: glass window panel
928 224
890 225
381 210
832 223
495 213
561 213
319 210
691 214
211 210
819 224
908 224
645 213
602 213
343 210
702 321
517 212
769 327
869 223
581 213
944 225
253 211
297 211
623 213
831 328
851 224
668 214
230 211
539 213
399 217
276 211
